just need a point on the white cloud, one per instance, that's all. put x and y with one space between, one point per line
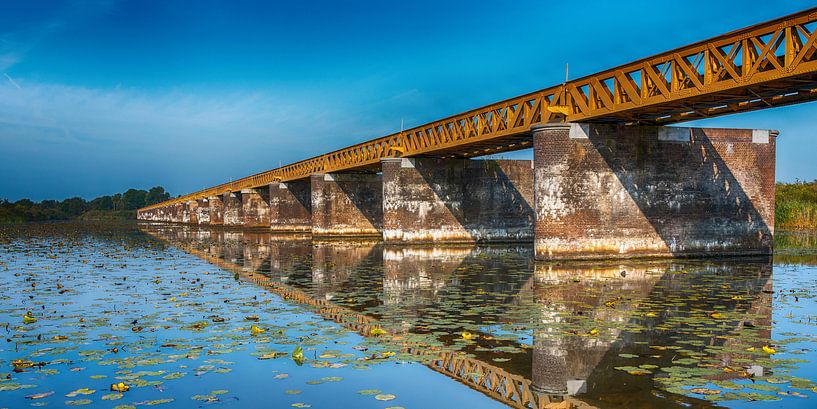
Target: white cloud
128 115
182 139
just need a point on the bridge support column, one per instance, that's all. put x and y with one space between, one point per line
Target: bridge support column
233 209
177 213
457 200
291 206
190 213
216 210
347 204
202 211
255 210
605 191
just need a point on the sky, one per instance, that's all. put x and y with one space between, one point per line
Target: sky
100 96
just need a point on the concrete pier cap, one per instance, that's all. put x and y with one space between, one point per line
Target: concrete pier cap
618 191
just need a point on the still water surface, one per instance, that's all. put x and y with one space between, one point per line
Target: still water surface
195 317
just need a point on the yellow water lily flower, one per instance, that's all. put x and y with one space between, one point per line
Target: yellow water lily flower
21 364
120 387
769 350
298 355
28 319
256 330
467 335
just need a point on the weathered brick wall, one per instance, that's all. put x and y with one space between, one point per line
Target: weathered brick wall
177 213
216 208
347 204
617 191
233 209
191 214
291 206
255 210
499 199
457 200
423 200
203 211
151 215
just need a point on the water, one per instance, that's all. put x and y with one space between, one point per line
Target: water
193 317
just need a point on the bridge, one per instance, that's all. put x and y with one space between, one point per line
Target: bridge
608 179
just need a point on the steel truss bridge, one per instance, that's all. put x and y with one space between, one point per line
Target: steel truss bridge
766 65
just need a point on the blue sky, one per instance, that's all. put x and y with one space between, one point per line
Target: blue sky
102 95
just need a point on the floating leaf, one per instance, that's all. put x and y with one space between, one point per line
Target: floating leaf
369 391
81 391
705 391
40 395
155 402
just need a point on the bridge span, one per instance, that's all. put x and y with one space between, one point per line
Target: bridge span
608 178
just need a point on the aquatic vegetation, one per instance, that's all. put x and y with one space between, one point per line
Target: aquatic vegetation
235 317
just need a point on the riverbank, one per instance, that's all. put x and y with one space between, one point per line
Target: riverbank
120 206
796 205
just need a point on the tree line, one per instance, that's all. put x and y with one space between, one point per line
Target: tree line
124 204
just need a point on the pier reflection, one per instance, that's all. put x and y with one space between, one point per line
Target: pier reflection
527 334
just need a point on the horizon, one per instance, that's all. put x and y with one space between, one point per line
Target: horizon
101 96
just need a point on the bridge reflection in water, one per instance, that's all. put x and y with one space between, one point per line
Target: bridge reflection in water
544 332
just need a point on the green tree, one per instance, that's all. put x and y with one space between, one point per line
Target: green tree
134 199
155 195
102 203
74 206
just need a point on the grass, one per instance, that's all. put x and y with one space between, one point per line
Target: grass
796 205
